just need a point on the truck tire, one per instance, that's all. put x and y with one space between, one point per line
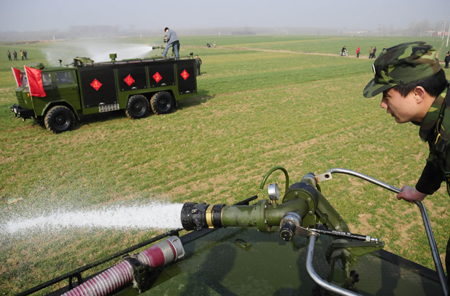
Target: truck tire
137 107
59 119
162 102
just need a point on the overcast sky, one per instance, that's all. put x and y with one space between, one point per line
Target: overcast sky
35 15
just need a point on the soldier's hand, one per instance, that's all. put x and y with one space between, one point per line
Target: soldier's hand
410 194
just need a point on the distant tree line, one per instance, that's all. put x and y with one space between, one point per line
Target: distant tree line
424 28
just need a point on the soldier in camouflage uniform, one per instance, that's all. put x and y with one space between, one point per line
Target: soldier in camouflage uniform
415 90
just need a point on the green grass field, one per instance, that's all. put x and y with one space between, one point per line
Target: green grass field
263 101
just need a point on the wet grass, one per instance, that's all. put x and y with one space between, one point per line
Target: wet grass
255 110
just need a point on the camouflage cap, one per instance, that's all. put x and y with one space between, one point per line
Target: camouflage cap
402 64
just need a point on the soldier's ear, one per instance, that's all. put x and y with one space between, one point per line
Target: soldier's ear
419 94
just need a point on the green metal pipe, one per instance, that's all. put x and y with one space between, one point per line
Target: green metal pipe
302 199
263 215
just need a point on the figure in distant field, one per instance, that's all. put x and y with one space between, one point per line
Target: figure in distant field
374 56
9 55
198 63
172 41
15 55
447 60
21 54
371 53
25 54
358 50
344 51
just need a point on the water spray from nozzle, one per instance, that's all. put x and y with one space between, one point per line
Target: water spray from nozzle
138 216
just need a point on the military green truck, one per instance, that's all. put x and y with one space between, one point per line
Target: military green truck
85 87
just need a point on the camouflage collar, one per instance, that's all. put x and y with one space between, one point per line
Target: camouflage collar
431 119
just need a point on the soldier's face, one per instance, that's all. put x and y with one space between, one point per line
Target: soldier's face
403 109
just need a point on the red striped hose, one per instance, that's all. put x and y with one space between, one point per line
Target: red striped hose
163 253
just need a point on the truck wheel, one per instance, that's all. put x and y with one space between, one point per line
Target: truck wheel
59 119
137 107
162 102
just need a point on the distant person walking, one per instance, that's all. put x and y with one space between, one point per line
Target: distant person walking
172 41
358 50
25 54
9 55
447 60
21 54
15 55
374 56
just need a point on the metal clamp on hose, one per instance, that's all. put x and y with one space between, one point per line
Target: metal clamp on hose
213 216
141 273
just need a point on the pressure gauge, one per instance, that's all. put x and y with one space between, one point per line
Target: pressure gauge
274 192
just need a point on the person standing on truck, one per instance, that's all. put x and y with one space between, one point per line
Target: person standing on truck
198 63
415 90
172 41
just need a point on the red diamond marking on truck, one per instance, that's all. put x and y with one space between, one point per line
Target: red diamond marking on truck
129 80
96 84
157 77
184 74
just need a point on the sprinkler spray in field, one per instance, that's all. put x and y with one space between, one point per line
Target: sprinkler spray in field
98 51
150 216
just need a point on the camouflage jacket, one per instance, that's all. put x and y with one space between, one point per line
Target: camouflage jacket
435 129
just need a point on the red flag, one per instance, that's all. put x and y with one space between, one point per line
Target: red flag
35 82
18 75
